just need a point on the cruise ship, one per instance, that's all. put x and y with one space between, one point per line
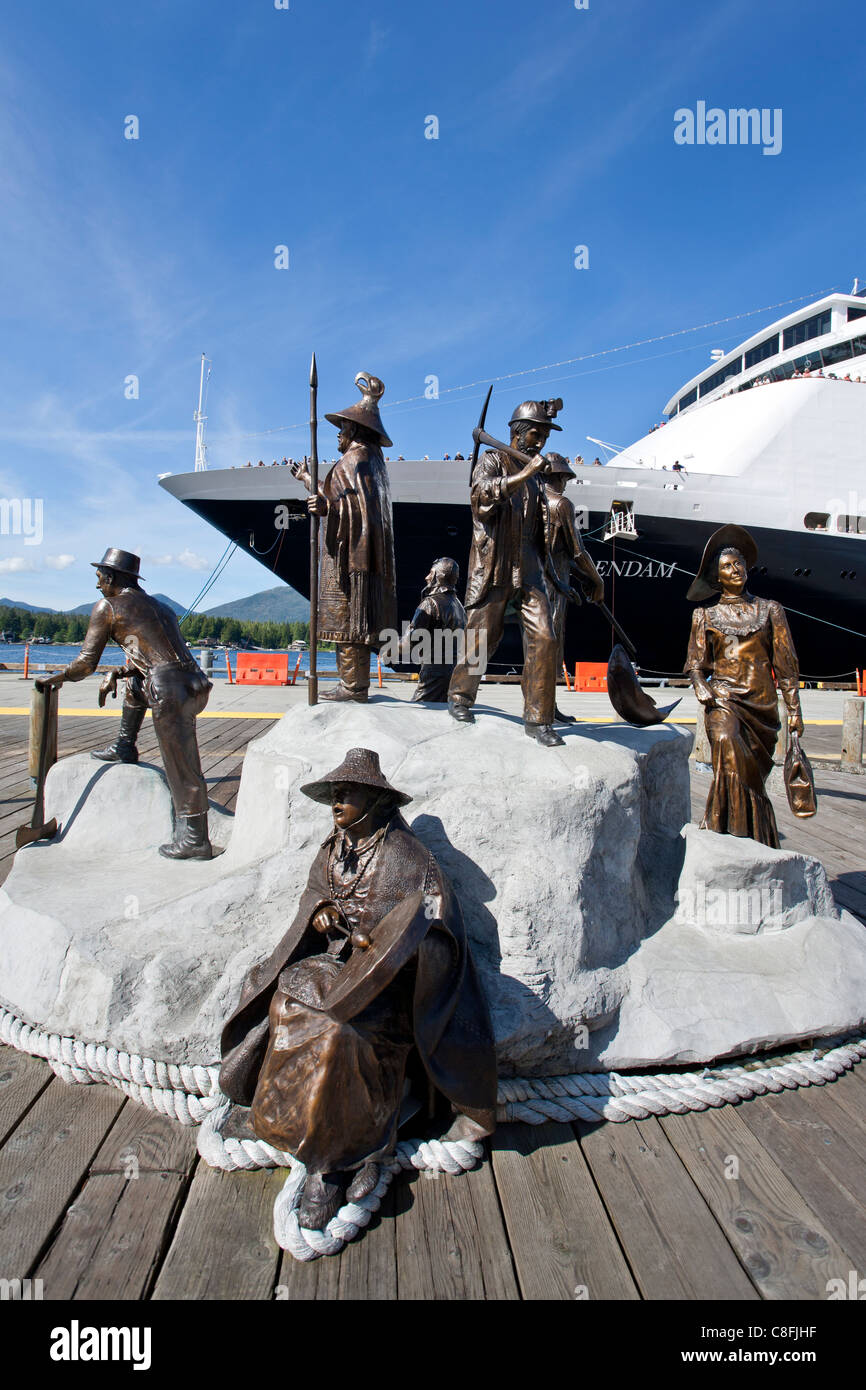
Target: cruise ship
771 435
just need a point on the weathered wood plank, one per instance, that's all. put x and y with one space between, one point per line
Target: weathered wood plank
780 1241
368 1265
22 1080
145 1141
112 1237
224 1247
491 1237
671 1240
560 1234
807 1133
43 1162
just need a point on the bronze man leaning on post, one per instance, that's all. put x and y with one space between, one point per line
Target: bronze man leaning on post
371 994
161 674
357 584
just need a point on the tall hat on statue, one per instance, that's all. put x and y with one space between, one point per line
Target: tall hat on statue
730 537
123 561
366 413
538 412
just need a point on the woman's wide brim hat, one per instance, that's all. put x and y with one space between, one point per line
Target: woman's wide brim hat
706 582
366 413
121 560
360 767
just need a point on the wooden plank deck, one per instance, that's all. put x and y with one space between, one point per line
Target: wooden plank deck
103 1199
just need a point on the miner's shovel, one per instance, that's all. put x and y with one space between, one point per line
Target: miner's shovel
45 705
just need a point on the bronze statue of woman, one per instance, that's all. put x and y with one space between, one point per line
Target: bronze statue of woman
736 648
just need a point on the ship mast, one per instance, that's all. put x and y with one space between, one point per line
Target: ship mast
200 418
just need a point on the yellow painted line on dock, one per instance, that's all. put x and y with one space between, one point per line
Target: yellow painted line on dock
278 714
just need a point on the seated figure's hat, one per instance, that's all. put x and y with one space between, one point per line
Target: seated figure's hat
367 412
730 537
539 412
557 464
121 560
361 767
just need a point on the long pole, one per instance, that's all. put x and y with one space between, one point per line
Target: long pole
313 682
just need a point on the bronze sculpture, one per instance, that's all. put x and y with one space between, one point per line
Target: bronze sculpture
357 587
565 552
506 566
372 984
736 647
161 674
439 612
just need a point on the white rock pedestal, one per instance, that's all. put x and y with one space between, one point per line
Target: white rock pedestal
567 862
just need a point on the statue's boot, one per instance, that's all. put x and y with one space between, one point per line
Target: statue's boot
124 749
544 734
342 693
363 1183
561 718
323 1195
462 713
190 839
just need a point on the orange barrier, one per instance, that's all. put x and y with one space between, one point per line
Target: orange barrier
263 668
590 675
296 670
26 675
229 667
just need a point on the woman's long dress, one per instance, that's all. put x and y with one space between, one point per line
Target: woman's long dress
737 645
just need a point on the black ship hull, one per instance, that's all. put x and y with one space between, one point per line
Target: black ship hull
645 579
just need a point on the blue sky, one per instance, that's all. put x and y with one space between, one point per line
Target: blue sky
409 257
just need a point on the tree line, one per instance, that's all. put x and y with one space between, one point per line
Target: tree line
19 624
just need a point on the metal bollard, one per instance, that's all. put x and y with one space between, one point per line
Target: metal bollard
852 731
206 660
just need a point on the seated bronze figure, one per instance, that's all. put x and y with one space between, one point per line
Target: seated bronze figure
736 648
372 991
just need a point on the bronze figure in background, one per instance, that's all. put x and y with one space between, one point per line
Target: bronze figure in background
357 584
371 987
161 675
441 615
506 567
565 553
736 645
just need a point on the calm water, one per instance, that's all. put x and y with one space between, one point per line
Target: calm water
52 658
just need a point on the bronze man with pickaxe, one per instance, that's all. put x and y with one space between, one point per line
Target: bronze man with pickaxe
506 565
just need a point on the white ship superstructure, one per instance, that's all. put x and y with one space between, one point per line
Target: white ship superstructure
771 435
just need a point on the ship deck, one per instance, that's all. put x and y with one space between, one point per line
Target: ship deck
638 1211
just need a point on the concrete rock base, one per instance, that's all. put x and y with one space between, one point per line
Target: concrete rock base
604 937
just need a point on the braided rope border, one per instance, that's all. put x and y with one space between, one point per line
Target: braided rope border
190 1093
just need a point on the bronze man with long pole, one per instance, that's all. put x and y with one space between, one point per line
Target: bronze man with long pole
357 594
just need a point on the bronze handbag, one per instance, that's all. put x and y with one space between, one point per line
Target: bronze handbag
799 780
